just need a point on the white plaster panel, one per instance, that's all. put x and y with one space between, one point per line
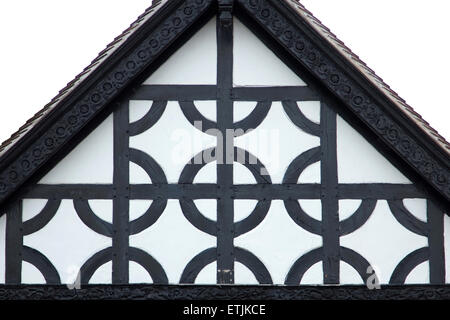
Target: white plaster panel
208 207
278 242
194 63
2 247
207 174
256 65
311 110
138 109
243 208
311 174
103 275
314 275
417 207
138 274
173 241
383 241
32 207
347 208
312 207
447 247
138 175
66 241
208 275
242 109
182 142
241 175
207 108
360 162
90 162
348 274
103 209
243 275
277 142
420 274
138 208
31 275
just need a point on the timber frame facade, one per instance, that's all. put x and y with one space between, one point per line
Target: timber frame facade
116 77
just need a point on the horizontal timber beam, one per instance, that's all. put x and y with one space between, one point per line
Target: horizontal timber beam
211 92
212 191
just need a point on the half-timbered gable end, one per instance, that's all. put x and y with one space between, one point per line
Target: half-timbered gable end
226 142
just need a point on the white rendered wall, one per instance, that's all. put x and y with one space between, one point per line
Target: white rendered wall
65 241
278 242
420 274
360 162
314 275
194 63
31 275
182 142
384 242
257 65
276 142
102 275
89 162
173 242
208 276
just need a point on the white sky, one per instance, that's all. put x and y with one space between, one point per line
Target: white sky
46 43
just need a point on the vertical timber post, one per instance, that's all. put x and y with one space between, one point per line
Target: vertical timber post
14 244
225 205
329 189
120 240
436 243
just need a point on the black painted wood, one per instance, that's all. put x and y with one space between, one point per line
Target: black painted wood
436 243
330 206
121 232
236 293
382 191
14 244
175 92
225 205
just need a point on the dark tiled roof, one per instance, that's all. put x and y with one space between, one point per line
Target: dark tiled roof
369 74
72 85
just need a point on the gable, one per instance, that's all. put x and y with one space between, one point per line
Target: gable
150 197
